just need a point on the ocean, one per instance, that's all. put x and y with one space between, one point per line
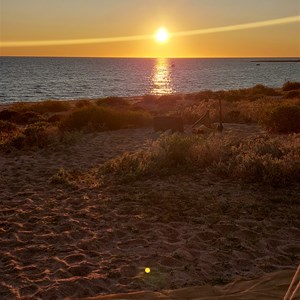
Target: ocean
37 79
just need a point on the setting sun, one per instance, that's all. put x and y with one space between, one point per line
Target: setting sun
162 35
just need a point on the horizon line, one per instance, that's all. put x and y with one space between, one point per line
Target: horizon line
153 57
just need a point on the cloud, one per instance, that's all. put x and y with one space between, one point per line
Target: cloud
273 22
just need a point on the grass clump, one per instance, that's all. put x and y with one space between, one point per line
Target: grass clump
37 135
292 94
289 86
63 177
49 106
113 101
82 103
283 119
272 161
102 118
7 127
7 131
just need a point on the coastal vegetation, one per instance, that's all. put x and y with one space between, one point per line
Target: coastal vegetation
269 160
29 125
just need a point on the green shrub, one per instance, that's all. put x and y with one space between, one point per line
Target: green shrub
272 161
7 127
7 132
8 114
112 101
18 141
283 119
27 117
62 177
82 103
55 119
102 118
43 107
292 94
289 86
150 98
37 135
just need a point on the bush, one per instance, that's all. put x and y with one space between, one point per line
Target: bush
7 127
37 135
292 94
43 107
289 86
82 103
28 117
7 131
62 177
55 119
102 118
112 101
283 119
150 98
272 161
7 114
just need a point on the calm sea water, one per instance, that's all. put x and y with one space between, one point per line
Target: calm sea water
34 79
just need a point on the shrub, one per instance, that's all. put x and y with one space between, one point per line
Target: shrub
169 153
28 117
168 99
283 119
292 94
7 127
273 161
37 135
43 107
150 98
55 119
288 86
7 114
18 141
62 177
7 131
102 118
112 101
82 103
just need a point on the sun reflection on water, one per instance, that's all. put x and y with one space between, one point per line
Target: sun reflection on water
161 77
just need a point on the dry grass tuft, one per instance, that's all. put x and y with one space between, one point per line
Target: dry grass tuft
49 106
272 161
289 86
102 118
283 119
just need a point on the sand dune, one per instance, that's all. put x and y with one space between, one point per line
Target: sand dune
61 241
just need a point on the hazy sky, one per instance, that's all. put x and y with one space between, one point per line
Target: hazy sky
27 20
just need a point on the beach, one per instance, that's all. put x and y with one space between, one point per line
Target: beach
68 231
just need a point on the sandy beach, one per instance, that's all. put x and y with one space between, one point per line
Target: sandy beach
97 238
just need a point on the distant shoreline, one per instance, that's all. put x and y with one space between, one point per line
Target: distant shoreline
277 60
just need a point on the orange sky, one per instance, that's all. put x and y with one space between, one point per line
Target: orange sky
45 20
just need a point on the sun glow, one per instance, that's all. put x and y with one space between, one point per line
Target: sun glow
162 35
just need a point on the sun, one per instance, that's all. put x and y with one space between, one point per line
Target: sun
162 35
